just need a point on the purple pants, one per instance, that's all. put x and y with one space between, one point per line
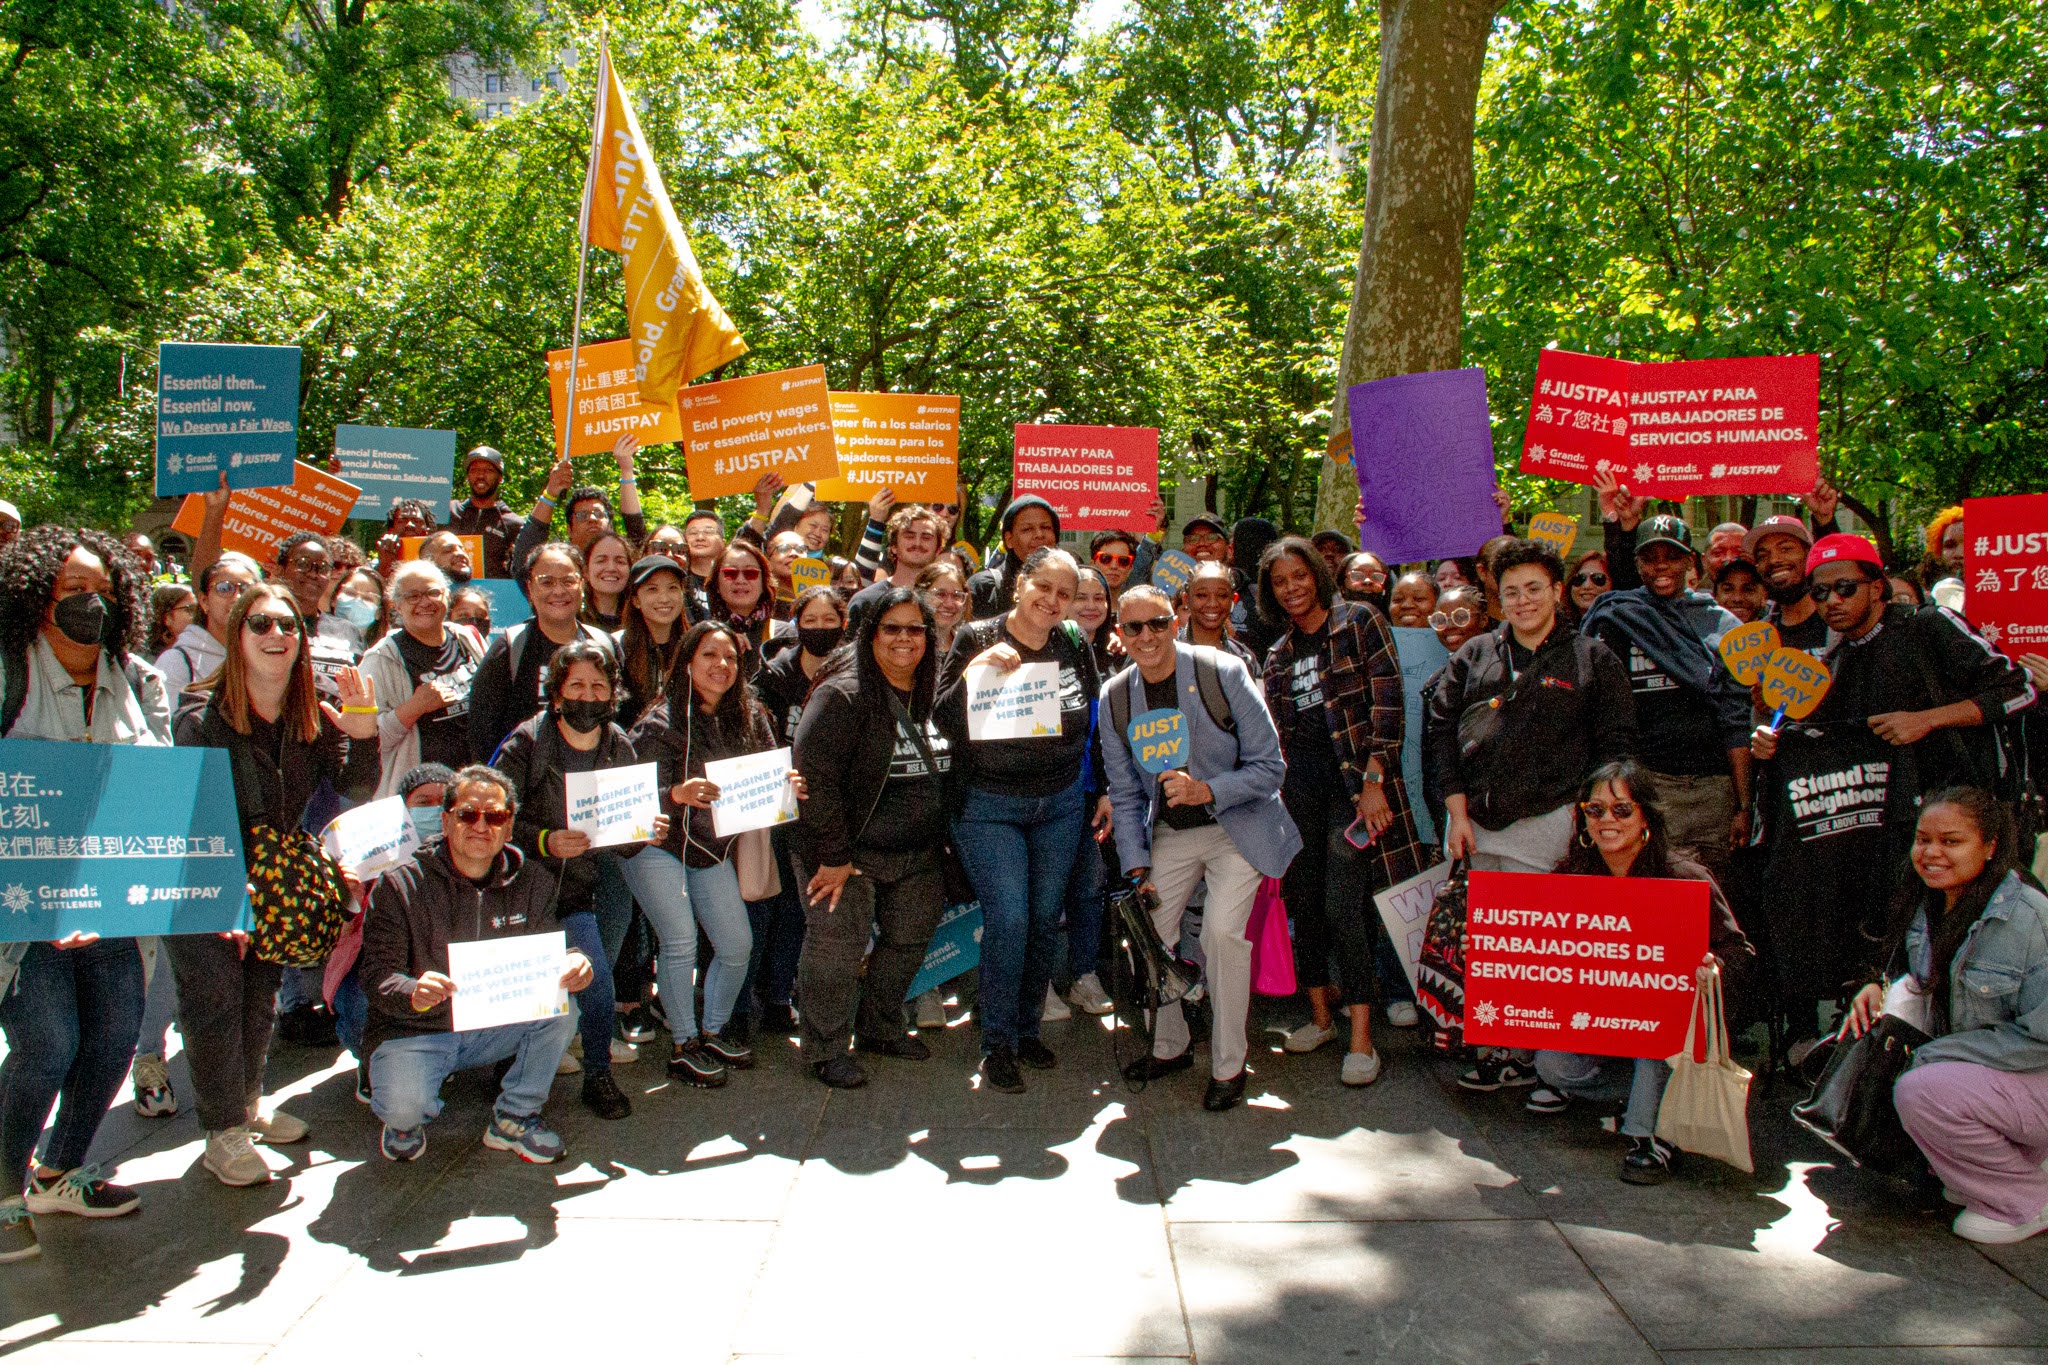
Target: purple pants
1984 1131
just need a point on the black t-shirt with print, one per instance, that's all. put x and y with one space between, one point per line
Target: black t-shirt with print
1678 731
911 812
1311 753
1163 696
444 734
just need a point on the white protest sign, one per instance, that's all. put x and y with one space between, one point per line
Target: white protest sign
1405 909
754 792
1021 704
371 839
512 980
613 805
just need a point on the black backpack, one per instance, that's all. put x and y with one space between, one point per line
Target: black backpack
1208 682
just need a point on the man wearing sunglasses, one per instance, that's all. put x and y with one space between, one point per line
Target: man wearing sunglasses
467 888
1692 719
1216 817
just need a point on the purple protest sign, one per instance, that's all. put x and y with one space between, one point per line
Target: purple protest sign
1422 446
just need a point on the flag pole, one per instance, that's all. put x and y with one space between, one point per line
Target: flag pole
604 76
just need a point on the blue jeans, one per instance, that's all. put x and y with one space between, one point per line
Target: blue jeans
351 1010
1640 1080
406 1073
159 1001
1084 908
676 900
595 1001
999 837
70 1021
612 903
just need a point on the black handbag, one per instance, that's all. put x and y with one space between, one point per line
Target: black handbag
1851 1107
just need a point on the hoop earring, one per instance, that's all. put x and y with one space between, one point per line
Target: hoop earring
1585 839
1646 836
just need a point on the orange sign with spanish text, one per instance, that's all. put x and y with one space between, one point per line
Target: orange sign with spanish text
258 518
908 443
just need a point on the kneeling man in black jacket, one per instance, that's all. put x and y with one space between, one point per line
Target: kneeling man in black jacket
470 886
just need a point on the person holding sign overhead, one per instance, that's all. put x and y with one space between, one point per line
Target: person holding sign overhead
468 887
1620 831
577 734
870 838
688 879
1208 811
1022 813
70 613
1334 683
588 510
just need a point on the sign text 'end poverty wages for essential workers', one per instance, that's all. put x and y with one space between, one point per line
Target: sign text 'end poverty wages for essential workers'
736 430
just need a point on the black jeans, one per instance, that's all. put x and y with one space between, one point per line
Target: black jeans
1328 888
898 896
225 1014
71 1021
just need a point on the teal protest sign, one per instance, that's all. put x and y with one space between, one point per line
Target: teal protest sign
81 849
1159 740
225 409
955 948
508 602
389 463
1172 570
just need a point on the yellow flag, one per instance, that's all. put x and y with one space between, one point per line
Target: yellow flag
678 329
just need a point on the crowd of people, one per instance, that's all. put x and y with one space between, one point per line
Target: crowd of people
1580 719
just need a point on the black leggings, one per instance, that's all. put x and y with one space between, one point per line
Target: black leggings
1328 890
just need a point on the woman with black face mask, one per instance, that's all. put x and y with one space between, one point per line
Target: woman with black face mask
576 734
819 614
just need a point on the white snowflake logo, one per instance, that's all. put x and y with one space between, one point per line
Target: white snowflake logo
137 894
1486 1014
1643 473
17 898
174 463
1581 1019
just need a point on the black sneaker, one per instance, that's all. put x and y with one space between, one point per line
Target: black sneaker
999 1069
1544 1100
1152 1068
693 1064
362 1082
1036 1055
81 1192
905 1047
1649 1161
602 1096
841 1073
729 1050
1491 1073
637 1026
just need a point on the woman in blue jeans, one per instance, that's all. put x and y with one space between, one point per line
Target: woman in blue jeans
688 877
1023 810
575 734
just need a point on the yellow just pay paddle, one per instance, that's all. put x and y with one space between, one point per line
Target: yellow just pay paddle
1794 682
1745 649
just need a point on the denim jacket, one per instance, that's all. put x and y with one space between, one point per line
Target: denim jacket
1998 993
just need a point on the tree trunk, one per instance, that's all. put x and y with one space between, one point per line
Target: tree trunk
1407 303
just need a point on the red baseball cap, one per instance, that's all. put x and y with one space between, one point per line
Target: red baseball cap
1843 548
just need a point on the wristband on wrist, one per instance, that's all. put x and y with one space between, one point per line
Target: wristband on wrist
625 479
359 710
547 502
543 841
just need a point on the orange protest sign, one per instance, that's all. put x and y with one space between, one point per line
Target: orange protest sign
607 399
1794 682
908 443
1556 529
473 546
1746 648
739 429
258 518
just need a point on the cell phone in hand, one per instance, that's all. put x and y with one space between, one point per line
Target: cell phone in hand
1358 836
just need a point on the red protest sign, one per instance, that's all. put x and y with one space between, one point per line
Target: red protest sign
257 519
1096 478
1582 964
1676 428
2005 571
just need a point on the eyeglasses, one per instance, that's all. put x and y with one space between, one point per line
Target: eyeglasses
1374 577
469 815
1844 588
1522 595
557 581
890 630
1114 561
311 568
948 595
1456 616
1163 624
731 575
1598 580
1600 810
262 625
1201 538
591 514
227 587
423 595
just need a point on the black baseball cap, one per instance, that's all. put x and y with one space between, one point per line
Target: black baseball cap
1665 530
647 566
1208 519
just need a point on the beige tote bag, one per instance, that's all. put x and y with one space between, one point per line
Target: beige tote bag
1706 1104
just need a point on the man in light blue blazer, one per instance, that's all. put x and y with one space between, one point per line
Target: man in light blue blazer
1213 813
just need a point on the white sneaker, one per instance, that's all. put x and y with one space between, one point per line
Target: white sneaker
1309 1037
278 1127
1087 995
1055 1008
568 1066
153 1097
1403 1014
624 1052
233 1159
931 1010
1360 1068
1982 1227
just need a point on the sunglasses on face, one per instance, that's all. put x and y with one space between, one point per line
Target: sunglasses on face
740 575
311 568
1456 616
1109 560
1844 588
474 622
1163 624
469 815
259 624
893 631
1598 580
1600 810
